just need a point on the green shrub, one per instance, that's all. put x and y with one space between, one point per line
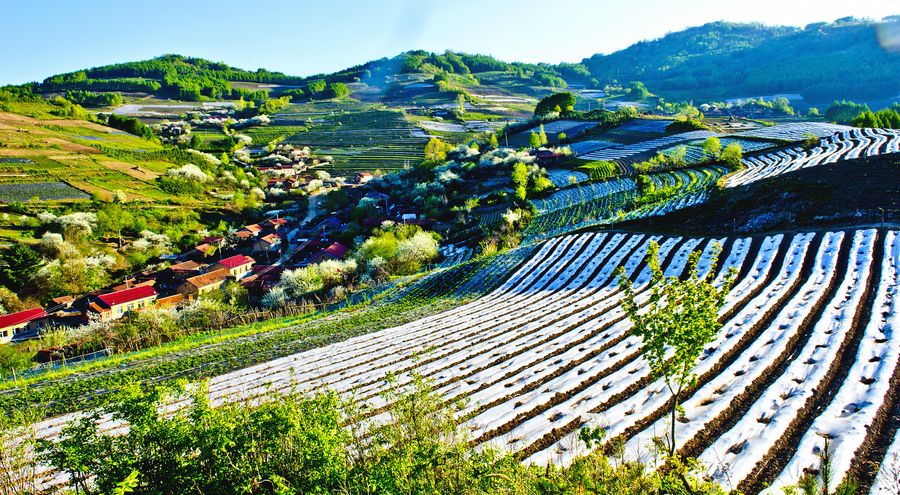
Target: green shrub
319 444
600 170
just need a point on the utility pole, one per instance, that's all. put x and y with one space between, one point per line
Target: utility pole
882 217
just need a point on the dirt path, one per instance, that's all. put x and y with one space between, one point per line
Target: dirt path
312 210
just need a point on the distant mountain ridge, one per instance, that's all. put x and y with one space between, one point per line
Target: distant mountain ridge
715 61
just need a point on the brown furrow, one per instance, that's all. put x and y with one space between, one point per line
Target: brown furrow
778 456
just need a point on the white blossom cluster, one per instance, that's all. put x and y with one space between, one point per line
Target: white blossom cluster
189 172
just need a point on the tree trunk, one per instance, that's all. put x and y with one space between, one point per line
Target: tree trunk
672 436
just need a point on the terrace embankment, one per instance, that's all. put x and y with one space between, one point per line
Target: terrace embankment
849 191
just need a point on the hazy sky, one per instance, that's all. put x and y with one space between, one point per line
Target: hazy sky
45 37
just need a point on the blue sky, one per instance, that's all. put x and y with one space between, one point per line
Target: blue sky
45 37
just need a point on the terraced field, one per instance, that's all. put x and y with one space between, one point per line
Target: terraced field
606 203
794 131
564 177
808 348
42 190
845 145
627 154
694 150
364 139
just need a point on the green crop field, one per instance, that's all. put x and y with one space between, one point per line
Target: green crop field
358 136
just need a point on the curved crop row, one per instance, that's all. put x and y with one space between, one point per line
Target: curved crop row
808 328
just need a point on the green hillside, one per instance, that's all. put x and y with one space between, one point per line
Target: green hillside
822 61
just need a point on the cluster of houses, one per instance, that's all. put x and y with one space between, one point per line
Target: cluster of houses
254 256
181 282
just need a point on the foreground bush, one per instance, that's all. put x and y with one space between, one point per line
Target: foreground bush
321 444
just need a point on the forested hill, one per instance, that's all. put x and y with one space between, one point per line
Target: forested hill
186 78
822 61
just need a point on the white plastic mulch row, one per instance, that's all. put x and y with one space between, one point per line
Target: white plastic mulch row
625 151
534 427
795 131
624 414
533 340
845 145
737 452
853 409
887 481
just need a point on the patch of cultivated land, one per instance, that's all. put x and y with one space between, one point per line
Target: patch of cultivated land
36 151
358 136
843 145
42 190
549 352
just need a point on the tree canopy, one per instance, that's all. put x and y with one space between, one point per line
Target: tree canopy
557 102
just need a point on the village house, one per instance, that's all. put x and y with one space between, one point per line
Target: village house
131 282
186 269
268 243
205 283
264 277
13 324
329 225
114 305
335 251
169 278
204 250
170 301
63 301
277 223
215 240
248 231
238 266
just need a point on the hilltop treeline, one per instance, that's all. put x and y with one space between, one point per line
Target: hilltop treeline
449 62
187 78
860 115
195 79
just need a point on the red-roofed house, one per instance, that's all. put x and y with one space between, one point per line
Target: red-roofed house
238 266
23 321
204 250
214 240
115 305
335 251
